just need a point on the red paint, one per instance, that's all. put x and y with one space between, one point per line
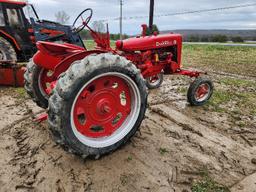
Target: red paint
14 2
51 33
65 63
49 54
12 75
46 78
202 91
42 117
98 104
150 42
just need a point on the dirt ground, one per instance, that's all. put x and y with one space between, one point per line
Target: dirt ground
175 145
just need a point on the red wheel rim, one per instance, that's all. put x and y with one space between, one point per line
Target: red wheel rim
102 107
202 92
154 79
45 79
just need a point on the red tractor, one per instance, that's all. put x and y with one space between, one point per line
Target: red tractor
97 99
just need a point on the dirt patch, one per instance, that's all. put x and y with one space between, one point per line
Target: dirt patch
176 143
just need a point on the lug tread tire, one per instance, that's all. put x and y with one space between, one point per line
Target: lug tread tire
193 87
150 86
68 86
31 84
8 49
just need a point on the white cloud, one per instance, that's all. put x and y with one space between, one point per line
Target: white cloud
236 18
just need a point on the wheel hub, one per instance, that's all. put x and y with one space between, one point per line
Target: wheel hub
202 92
102 107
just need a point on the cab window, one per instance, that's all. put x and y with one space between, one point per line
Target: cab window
14 17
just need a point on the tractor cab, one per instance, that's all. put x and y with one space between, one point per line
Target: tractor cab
21 27
14 26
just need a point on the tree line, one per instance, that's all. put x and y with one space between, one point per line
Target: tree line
214 38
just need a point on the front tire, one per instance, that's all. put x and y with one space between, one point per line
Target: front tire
98 105
200 91
155 82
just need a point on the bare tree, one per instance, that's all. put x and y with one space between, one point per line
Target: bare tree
62 17
98 26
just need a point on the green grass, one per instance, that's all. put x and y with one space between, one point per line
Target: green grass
21 92
243 102
238 82
129 158
237 60
89 44
207 184
238 92
163 151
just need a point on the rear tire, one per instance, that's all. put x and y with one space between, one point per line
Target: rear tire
7 51
86 113
33 86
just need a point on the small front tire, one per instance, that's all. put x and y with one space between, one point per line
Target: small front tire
200 91
155 82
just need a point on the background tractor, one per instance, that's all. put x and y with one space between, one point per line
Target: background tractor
97 99
20 29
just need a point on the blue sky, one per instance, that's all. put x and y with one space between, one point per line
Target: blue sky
241 18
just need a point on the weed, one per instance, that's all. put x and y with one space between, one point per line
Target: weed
21 92
207 184
163 151
129 158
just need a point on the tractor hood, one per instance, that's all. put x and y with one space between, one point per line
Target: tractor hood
149 42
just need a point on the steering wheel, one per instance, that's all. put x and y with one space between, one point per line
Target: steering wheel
79 27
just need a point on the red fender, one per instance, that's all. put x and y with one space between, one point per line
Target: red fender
49 54
65 64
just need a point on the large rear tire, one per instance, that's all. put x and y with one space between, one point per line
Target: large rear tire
97 105
37 80
7 51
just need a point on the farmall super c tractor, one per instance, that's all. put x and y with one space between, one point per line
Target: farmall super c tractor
97 99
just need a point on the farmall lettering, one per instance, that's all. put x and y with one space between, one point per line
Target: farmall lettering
165 43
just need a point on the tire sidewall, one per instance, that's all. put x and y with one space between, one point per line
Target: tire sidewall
8 49
35 85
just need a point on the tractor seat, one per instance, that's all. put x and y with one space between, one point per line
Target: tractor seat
58 49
